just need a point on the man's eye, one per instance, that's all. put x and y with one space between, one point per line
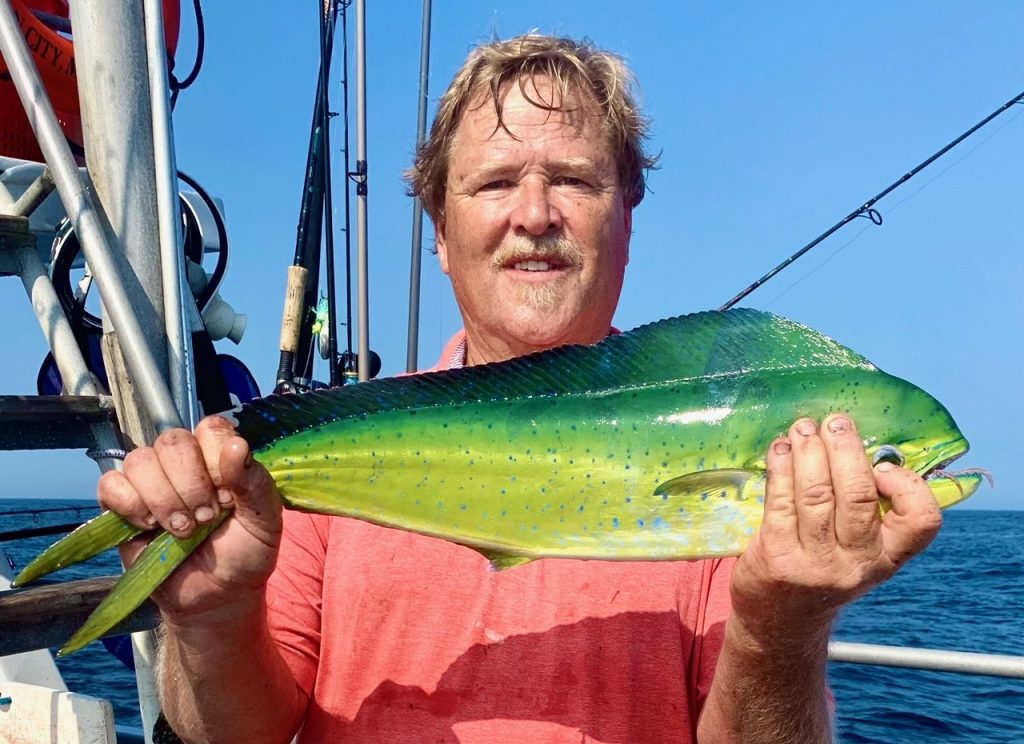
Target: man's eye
570 181
502 183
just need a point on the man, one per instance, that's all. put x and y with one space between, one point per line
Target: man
359 633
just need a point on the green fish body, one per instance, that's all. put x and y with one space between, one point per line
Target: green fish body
649 445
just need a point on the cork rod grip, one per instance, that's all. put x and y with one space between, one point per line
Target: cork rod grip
291 321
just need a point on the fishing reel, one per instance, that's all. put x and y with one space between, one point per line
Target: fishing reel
219 377
204 233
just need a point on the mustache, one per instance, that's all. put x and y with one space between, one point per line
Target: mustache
555 249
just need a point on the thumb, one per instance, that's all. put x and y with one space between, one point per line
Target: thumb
914 519
212 433
251 490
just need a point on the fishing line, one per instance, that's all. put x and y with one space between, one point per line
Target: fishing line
896 206
815 270
957 162
867 210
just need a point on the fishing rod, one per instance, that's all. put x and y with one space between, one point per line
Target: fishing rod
302 294
867 209
331 9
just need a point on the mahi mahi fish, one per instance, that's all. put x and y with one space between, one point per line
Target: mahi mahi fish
649 445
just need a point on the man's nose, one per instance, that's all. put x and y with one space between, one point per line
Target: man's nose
535 213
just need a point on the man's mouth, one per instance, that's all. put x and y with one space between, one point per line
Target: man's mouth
535 265
544 256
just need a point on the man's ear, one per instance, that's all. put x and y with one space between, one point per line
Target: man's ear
441 242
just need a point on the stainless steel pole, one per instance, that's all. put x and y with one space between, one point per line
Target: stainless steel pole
114 70
61 339
34 195
113 88
361 188
176 294
412 348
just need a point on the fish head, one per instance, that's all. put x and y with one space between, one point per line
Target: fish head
914 430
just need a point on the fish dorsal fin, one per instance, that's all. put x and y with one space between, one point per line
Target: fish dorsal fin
685 347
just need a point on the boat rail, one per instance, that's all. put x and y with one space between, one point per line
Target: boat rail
927 659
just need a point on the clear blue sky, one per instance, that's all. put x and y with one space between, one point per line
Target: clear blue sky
774 120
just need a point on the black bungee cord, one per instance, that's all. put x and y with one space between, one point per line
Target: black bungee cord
176 85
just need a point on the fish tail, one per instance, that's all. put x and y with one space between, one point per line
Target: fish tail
101 533
155 563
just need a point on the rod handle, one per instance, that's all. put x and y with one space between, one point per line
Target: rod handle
292 321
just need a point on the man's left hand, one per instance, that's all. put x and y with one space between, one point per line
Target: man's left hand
823 542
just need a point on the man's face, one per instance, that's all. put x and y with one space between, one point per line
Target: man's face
535 235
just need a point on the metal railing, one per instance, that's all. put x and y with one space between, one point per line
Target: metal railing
929 659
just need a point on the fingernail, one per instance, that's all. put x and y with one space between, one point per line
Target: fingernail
805 427
151 520
782 447
884 467
204 514
179 521
838 424
223 496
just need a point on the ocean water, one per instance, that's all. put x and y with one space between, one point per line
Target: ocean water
965 593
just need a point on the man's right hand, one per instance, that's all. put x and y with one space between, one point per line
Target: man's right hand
186 479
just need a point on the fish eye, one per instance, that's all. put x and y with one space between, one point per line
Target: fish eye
888 453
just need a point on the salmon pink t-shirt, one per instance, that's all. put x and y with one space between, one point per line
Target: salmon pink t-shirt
399 638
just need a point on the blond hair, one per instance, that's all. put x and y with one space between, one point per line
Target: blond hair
570 65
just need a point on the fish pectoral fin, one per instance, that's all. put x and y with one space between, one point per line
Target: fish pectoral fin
500 561
703 484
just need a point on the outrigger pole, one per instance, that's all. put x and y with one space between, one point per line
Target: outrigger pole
361 188
412 348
